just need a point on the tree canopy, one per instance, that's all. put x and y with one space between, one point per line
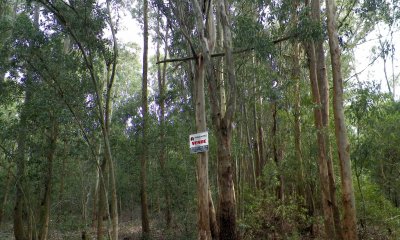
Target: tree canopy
303 140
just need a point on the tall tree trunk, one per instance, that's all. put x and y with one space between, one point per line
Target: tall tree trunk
222 123
202 158
227 199
323 87
20 232
349 220
213 217
144 157
46 201
297 126
280 193
102 212
261 141
251 163
19 228
322 162
161 76
256 143
111 69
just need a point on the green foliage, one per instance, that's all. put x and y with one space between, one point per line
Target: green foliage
374 118
379 218
267 217
307 28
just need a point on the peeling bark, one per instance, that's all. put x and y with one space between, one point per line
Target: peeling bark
348 200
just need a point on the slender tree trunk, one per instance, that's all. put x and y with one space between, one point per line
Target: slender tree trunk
322 162
45 205
213 218
349 220
111 169
111 68
261 142
96 190
161 75
323 87
280 193
251 163
256 143
202 158
297 127
20 231
144 157
101 202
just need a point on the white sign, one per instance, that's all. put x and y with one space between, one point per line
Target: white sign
198 142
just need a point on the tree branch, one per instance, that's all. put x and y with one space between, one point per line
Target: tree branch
194 57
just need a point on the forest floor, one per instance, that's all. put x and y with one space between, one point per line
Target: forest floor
129 229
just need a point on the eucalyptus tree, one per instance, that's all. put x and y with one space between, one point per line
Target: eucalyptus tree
144 157
222 116
349 220
197 72
51 101
320 94
162 81
84 23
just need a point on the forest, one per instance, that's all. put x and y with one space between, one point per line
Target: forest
295 138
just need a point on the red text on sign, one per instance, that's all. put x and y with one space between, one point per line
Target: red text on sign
198 142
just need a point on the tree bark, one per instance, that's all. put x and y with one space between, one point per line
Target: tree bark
251 173
256 142
202 158
322 162
213 218
19 229
46 201
297 119
323 87
102 212
144 157
223 123
161 76
111 68
280 191
349 220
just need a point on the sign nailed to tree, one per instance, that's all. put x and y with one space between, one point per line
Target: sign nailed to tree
198 142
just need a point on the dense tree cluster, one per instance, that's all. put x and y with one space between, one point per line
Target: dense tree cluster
94 135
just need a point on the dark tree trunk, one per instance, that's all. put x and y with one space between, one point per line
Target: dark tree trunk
227 203
144 157
46 201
